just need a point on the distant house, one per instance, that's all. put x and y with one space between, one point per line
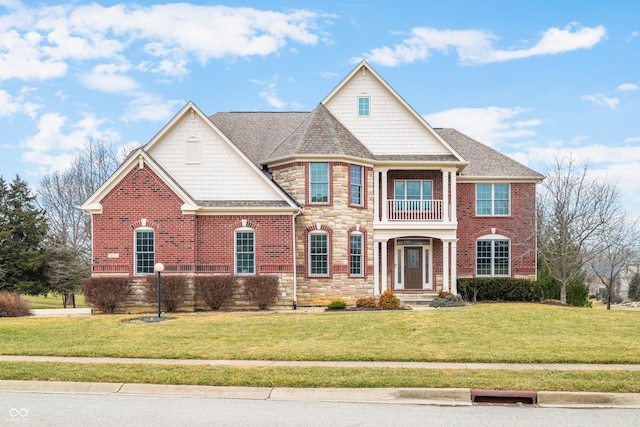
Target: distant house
357 196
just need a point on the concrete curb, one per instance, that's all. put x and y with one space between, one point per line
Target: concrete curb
419 396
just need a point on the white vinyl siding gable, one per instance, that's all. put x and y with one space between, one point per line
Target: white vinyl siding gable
220 174
392 129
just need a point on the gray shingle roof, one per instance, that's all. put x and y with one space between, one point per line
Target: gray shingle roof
483 160
256 134
320 134
269 136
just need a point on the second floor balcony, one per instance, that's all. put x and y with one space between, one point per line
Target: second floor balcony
414 210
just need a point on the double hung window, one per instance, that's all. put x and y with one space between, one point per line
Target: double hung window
319 183
492 199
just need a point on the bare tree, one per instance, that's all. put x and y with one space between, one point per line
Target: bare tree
574 213
61 193
614 252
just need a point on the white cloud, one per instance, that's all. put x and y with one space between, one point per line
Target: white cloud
269 94
602 100
39 42
477 46
106 79
54 144
633 139
491 126
628 87
151 108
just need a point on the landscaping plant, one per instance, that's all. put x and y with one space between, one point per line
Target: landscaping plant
215 291
261 290
12 304
107 293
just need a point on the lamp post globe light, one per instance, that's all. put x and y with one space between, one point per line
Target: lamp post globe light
158 268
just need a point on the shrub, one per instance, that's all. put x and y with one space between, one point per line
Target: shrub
215 291
366 302
578 295
499 289
388 300
173 290
261 290
338 304
447 300
108 293
634 287
12 304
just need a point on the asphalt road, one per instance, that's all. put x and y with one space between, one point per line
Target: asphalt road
63 409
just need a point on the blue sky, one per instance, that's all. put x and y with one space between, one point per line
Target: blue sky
535 80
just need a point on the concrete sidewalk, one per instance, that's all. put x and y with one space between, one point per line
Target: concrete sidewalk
414 396
458 396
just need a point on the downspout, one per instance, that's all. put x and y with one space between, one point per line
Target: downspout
295 274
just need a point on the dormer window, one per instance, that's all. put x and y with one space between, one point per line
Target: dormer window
364 106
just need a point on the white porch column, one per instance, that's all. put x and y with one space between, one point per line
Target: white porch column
376 195
384 264
445 195
454 196
385 202
454 269
445 266
376 269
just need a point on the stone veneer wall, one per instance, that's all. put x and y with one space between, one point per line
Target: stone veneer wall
338 218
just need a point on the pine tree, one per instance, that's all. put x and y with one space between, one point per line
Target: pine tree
23 229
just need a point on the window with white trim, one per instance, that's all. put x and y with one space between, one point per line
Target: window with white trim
493 256
364 106
356 254
245 251
145 251
318 254
492 199
319 183
412 195
356 179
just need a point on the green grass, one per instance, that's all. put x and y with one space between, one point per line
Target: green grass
52 301
517 333
592 381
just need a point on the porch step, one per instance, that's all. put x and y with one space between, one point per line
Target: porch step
422 298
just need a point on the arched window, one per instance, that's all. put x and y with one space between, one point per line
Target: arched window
245 251
493 256
144 250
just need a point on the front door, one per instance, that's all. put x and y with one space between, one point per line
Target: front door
413 268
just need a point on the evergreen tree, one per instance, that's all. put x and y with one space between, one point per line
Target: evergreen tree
23 229
634 287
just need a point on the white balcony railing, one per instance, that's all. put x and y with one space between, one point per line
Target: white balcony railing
415 210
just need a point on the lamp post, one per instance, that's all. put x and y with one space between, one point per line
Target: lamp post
158 268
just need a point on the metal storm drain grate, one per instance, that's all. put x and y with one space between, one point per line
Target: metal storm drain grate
504 397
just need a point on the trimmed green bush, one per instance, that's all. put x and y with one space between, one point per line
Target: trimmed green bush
261 290
12 304
388 300
215 291
173 291
337 305
107 293
499 289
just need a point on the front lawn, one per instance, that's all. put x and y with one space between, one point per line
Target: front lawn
517 333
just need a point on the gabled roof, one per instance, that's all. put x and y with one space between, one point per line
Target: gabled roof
484 161
282 202
364 68
137 159
320 134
